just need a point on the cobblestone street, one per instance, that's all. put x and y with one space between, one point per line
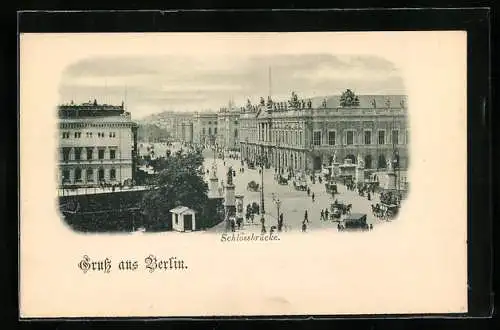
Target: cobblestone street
294 203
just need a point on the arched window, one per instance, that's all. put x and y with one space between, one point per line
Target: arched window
90 175
101 174
381 162
368 161
78 174
65 176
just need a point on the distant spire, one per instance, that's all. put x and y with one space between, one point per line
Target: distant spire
270 83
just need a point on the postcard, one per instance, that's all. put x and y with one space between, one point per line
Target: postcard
243 174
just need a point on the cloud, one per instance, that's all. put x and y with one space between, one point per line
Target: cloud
156 83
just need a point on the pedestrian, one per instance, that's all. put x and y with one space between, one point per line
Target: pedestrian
312 197
326 214
369 196
322 215
308 191
371 226
305 217
263 229
304 227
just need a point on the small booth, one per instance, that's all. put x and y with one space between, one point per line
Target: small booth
183 219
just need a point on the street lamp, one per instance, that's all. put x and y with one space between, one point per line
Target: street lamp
277 201
261 159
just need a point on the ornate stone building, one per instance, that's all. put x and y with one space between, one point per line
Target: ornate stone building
309 134
98 144
228 128
205 128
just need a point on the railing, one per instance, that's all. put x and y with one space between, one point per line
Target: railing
76 191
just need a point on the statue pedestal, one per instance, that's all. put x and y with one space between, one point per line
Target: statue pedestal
213 187
229 204
390 181
360 174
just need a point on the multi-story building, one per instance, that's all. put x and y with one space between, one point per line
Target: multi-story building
205 128
186 132
309 135
228 124
98 144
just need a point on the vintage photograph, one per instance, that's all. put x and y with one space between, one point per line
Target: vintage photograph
243 174
248 143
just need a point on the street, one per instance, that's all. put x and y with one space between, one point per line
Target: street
293 202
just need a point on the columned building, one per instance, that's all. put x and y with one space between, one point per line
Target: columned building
228 129
312 133
205 128
98 144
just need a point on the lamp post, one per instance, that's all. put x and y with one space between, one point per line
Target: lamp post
261 159
277 201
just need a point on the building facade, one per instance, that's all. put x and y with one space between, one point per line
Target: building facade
228 129
205 128
311 135
98 144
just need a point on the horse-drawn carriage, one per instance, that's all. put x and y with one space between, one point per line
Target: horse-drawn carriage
253 186
300 185
385 211
282 180
331 188
355 221
251 165
337 209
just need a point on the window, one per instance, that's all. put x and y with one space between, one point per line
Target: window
112 134
381 137
210 131
317 138
350 137
90 153
66 152
101 174
65 135
112 154
331 138
90 175
395 137
368 137
112 174
176 219
407 137
78 174
381 161
368 161
101 154
78 153
215 130
300 137
65 176
203 131
209 123
235 133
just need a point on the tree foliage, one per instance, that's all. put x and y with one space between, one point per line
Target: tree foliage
178 181
349 99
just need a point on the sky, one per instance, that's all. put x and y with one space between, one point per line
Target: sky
152 84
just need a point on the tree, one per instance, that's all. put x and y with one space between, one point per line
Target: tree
349 99
178 181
